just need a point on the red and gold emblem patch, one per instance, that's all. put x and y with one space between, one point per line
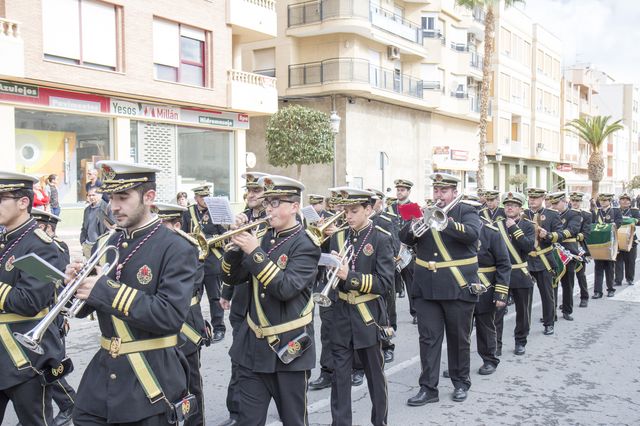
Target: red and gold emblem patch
144 275
293 347
268 184
542 218
368 249
282 261
108 173
186 406
8 266
438 177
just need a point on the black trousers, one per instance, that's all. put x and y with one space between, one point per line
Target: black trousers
568 282
212 284
486 337
435 318
407 276
498 320
31 402
603 268
195 387
287 388
522 299
390 301
581 276
544 280
626 265
233 393
82 418
63 394
373 364
326 328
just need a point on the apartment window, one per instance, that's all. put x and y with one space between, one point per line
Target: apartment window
556 69
547 65
264 61
178 52
505 89
429 26
539 100
527 54
540 60
525 135
505 40
81 32
505 128
526 94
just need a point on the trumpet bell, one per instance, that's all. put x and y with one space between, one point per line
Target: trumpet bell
30 342
321 299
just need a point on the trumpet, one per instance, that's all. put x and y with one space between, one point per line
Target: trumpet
317 232
32 339
322 298
204 243
433 217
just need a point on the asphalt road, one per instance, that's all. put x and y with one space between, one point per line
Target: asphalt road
587 373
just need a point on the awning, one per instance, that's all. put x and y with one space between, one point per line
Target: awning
572 177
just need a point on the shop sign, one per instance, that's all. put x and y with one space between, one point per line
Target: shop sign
459 155
225 122
215 118
74 104
18 89
564 167
441 150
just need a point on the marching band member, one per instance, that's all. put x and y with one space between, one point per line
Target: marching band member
403 191
585 230
605 214
492 209
626 260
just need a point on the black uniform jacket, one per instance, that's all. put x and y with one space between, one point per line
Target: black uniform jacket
386 222
492 215
585 230
190 342
519 239
202 223
460 240
371 271
282 272
493 254
392 211
549 220
608 215
572 224
21 294
152 298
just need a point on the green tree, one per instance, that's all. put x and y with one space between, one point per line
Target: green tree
634 183
490 7
594 131
299 135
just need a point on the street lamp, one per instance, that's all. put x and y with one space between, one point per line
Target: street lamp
498 160
334 120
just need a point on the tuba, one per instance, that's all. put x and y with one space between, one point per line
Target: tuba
433 217
317 232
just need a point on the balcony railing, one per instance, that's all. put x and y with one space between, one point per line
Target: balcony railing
459 47
476 61
268 72
354 71
459 95
315 11
431 85
9 28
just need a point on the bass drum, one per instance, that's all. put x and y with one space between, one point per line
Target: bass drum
603 241
626 234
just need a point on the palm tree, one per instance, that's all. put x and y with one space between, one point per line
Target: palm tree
490 7
594 131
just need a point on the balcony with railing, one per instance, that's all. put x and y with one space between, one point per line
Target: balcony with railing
476 61
357 71
252 93
11 48
253 20
321 11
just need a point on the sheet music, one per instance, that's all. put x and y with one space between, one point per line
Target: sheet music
327 259
310 214
220 210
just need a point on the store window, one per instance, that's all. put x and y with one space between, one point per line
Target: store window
178 52
81 32
64 144
205 156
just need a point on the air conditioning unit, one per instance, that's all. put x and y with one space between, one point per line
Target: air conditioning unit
393 52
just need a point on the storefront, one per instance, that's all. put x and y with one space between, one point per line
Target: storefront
51 131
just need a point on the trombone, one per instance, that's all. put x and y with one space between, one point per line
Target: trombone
322 298
32 339
204 243
433 217
317 232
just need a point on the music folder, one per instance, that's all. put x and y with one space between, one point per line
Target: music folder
39 268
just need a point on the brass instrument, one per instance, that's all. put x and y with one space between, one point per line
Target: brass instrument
433 217
31 339
205 244
322 298
317 232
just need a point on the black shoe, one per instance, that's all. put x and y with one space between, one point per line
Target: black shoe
415 320
541 320
567 317
459 395
401 294
611 293
584 303
322 382
618 284
229 422
486 369
519 350
597 296
64 417
388 356
217 336
445 374
421 398
357 378
560 307
629 282
499 352
548 330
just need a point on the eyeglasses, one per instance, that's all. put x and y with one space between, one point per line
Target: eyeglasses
275 202
9 198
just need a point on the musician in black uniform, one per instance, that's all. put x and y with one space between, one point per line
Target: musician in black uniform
491 210
605 214
139 374
571 225
519 237
585 230
193 333
273 346
62 392
235 298
197 220
23 302
626 260
541 261
359 315
446 266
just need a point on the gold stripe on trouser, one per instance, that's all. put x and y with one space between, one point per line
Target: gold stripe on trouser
139 363
17 355
191 334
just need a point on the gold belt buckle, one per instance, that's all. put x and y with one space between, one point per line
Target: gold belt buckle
114 347
351 298
431 265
